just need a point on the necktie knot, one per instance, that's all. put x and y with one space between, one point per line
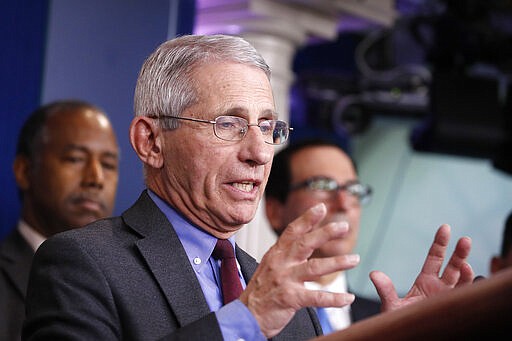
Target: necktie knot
223 250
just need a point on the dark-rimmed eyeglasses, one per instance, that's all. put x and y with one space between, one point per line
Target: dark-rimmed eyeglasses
233 128
324 184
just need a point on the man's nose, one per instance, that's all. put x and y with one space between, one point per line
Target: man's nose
93 174
257 151
344 200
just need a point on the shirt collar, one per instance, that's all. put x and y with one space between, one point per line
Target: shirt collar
197 243
33 238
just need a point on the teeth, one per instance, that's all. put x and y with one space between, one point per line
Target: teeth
244 186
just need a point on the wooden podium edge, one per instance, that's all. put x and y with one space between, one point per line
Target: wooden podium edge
478 311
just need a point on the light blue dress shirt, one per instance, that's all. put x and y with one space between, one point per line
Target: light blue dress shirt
235 320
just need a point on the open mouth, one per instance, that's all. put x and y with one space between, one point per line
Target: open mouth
246 186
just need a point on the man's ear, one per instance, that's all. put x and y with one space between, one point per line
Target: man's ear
274 210
147 140
21 169
496 264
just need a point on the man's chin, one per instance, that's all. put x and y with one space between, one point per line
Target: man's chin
242 215
83 219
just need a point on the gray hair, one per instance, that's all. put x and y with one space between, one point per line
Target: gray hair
165 86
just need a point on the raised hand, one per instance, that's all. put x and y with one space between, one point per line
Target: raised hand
429 281
276 290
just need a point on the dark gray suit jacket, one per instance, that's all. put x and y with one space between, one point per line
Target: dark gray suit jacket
127 278
15 260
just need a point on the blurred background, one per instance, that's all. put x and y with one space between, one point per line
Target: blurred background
419 92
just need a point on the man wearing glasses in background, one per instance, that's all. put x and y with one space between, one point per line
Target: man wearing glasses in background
303 175
205 130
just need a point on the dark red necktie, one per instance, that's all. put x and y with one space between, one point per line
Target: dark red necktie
231 286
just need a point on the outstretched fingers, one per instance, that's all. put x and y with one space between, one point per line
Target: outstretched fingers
304 235
317 267
428 283
303 224
318 298
437 251
458 271
276 290
467 275
386 290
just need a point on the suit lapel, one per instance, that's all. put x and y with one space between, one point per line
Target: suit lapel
167 260
248 264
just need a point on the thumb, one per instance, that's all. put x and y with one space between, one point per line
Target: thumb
385 289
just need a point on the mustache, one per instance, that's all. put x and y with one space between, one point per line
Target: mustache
81 197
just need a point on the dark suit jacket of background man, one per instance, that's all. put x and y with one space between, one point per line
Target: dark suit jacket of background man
139 283
15 260
363 308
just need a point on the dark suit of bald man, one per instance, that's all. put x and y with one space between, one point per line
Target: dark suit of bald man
15 260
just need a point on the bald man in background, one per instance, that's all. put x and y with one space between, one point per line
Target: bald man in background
66 170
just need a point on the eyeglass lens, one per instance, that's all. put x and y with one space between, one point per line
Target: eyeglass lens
356 189
232 128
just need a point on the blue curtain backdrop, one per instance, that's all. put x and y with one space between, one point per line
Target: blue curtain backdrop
23 31
90 50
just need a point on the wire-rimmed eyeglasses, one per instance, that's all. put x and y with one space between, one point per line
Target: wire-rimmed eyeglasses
233 128
358 190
